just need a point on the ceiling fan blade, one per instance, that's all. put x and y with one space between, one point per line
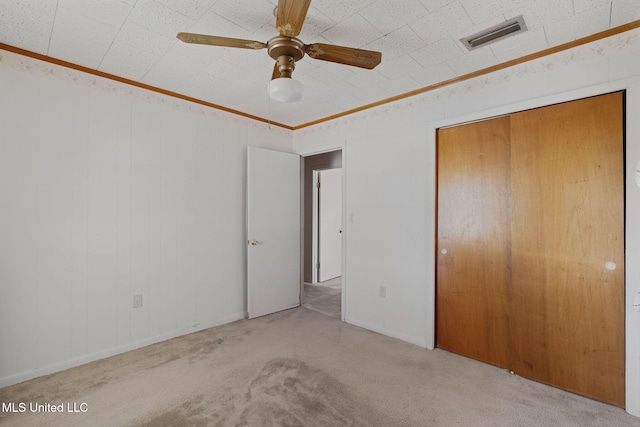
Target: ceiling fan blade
220 41
344 55
276 72
290 16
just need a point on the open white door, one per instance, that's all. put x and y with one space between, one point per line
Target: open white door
273 231
330 227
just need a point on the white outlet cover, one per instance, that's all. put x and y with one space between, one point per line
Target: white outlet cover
137 301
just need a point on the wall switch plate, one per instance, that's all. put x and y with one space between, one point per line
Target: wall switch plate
137 301
382 291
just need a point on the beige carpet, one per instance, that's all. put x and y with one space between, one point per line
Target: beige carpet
325 297
299 368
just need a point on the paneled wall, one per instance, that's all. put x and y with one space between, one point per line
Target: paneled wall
107 192
389 173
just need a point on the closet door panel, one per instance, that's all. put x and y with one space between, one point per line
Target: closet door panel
473 254
568 246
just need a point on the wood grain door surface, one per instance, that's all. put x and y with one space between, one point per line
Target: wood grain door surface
474 228
567 307
533 275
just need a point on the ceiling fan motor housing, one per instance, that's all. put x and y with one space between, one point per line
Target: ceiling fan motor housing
286 51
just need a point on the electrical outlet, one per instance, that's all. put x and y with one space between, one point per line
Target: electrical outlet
137 301
382 292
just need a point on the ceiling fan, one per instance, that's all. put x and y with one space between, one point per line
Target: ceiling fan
286 49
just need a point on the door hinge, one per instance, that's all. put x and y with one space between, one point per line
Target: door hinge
318 266
318 184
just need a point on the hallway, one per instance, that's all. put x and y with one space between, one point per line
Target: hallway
325 297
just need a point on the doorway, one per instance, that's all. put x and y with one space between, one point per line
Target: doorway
322 242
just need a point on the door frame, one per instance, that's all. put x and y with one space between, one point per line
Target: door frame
632 209
315 226
303 155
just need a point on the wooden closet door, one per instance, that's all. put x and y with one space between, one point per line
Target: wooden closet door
567 224
473 258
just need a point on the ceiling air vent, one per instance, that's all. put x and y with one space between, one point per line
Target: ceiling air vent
498 32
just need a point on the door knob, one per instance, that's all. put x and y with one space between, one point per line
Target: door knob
253 242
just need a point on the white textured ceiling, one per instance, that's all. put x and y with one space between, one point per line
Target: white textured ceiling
419 41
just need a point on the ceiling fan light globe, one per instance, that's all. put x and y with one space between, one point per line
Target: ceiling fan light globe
285 89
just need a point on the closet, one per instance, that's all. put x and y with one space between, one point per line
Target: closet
530 244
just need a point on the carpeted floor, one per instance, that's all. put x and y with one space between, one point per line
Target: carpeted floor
298 368
325 297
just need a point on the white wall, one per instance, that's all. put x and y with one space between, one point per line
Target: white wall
107 191
389 166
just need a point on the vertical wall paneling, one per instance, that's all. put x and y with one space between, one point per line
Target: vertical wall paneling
188 231
356 184
168 143
123 287
203 221
232 221
154 291
236 235
55 210
18 225
80 224
209 242
385 225
102 221
140 211
219 206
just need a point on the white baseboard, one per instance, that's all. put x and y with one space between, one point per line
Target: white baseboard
61 366
413 340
